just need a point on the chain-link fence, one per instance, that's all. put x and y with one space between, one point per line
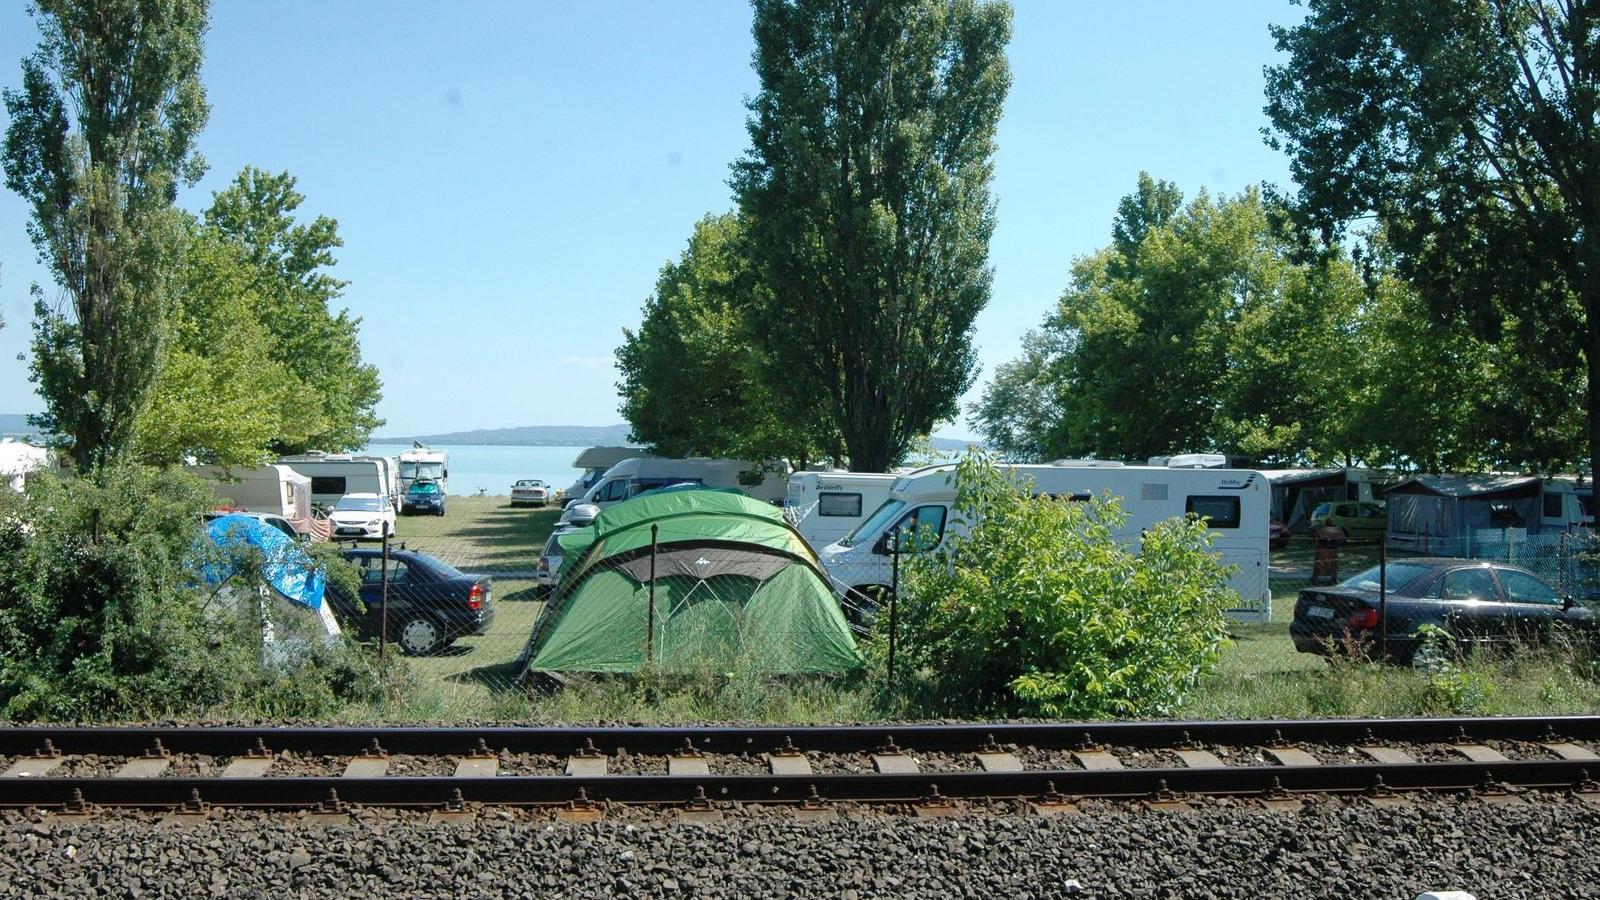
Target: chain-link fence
486 597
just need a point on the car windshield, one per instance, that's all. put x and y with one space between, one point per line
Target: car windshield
874 523
359 504
1400 575
424 487
410 469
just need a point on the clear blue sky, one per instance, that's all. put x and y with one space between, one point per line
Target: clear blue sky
509 177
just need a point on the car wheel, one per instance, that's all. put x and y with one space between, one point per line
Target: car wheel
419 636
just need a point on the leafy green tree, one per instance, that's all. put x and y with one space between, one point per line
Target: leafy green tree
866 195
221 395
1469 132
692 375
1042 611
1020 405
101 137
319 345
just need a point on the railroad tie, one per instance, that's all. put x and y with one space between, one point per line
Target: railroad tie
477 767
891 760
1290 756
153 764
45 760
1200 759
1388 756
367 767
1570 751
247 767
1479 753
688 761
788 760
994 759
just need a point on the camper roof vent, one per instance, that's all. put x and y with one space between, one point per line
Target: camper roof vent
1197 461
1087 463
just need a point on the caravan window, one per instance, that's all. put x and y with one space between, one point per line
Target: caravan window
1552 506
872 526
328 484
839 505
1219 512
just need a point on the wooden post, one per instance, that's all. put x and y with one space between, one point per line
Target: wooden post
383 601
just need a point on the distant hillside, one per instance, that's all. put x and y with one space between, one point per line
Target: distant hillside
524 436
562 436
953 445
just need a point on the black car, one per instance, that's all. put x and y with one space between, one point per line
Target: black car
430 602
423 496
1473 601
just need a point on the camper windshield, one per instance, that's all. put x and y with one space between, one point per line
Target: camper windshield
877 522
413 470
360 504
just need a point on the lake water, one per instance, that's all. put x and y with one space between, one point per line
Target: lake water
493 469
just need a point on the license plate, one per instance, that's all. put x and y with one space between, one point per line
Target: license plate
1320 612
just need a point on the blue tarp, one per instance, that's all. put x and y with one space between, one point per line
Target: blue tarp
286 567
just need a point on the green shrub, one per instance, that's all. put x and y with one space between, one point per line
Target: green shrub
102 615
1041 610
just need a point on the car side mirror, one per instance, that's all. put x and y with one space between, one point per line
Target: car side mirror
1568 602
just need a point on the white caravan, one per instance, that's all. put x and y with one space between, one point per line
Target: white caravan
18 459
422 461
594 462
826 506
1234 501
275 489
335 474
632 477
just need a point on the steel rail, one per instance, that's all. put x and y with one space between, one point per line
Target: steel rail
425 792
346 740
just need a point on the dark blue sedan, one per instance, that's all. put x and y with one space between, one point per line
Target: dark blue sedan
424 496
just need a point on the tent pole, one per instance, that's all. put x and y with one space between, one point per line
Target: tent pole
383 602
650 617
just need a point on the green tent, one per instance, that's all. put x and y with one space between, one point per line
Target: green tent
730 578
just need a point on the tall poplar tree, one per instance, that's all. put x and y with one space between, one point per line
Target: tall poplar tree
100 139
865 193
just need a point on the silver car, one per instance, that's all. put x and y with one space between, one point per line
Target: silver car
531 492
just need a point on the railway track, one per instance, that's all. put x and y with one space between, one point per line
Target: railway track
926 769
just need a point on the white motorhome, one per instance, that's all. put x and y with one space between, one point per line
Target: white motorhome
422 461
17 459
335 474
594 462
1234 501
826 506
632 477
275 489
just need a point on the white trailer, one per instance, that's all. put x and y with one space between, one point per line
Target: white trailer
1234 502
632 477
18 459
826 506
422 461
335 474
275 489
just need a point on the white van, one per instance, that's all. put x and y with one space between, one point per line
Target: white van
335 474
422 461
1235 502
826 506
632 477
595 461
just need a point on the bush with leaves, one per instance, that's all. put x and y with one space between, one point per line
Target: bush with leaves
1043 610
103 616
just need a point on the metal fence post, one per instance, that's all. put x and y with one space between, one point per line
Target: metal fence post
1383 594
894 595
383 602
650 617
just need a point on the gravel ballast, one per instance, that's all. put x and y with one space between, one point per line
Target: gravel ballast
1330 848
